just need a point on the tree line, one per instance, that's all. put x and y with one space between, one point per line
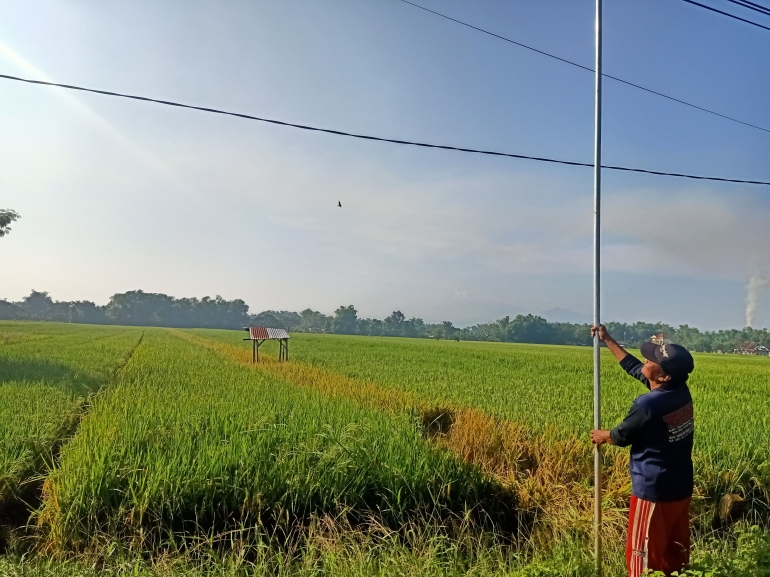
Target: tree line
132 308
519 329
157 309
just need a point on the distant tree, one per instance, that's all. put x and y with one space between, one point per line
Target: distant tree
265 319
376 327
313 321
363 326
139 308
434 331
503 325
157 309
85 312
345 320
531 329
7 216
10 311
414 328
449 329
38 305
288 320
394 324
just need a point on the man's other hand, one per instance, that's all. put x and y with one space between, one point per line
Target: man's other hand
601 331
600 437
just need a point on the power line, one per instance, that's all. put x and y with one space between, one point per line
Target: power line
378 138
752 6
588 68
726 14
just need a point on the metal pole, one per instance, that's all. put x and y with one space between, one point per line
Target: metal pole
597 278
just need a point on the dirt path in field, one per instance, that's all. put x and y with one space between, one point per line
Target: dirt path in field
551 475
16 511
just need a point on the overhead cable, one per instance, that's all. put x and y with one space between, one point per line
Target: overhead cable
378 138
727 14
752 6
588 68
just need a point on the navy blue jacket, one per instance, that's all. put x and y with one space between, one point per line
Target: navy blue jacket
659 427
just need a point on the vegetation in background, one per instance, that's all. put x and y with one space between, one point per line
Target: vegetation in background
133 308
7 217
154 309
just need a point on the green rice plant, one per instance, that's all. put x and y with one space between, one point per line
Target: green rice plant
548 390
188 443
545 385
46 370
191 442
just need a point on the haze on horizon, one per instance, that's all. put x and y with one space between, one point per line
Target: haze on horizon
118 195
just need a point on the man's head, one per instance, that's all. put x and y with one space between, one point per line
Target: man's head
666 363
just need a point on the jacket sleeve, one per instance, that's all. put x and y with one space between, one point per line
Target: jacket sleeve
628 431
633 367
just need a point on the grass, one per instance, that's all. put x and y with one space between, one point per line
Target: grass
361 456
542 385
46 371
522 413
189 443
344 555
353 554
549 389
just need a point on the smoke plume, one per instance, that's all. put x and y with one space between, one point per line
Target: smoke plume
755 290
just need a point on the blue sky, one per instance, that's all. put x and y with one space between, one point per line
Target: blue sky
117 195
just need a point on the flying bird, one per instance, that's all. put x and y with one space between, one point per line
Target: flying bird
339 203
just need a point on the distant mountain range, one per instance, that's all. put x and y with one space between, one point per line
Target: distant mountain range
464 313
559 315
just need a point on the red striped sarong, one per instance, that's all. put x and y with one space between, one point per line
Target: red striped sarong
658 536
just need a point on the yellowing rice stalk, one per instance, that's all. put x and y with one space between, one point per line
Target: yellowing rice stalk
516 412
547 472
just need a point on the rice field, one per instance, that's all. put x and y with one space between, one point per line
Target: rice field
187 441
451 457
550 388
46 373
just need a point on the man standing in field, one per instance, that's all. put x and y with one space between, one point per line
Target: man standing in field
659 427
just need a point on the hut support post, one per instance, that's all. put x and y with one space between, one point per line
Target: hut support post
255 356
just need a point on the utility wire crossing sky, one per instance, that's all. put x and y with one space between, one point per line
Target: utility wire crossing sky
588 68
752 6
379 138
117 197
731 15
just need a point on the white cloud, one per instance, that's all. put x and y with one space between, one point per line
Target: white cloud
521 223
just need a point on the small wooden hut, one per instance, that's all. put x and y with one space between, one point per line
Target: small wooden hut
258 335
